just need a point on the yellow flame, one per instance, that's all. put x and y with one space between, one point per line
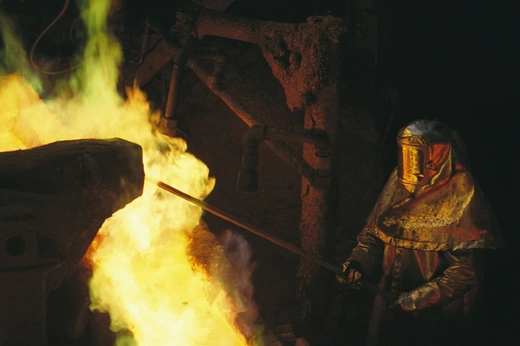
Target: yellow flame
142 275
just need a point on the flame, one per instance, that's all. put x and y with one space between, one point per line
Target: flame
142 275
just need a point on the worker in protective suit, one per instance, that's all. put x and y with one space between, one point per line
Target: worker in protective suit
425 235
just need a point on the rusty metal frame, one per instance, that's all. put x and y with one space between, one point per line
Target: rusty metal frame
310 83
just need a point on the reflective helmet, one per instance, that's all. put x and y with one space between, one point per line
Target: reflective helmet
424 153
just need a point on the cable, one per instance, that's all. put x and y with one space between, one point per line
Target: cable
73 25
78 19
33 48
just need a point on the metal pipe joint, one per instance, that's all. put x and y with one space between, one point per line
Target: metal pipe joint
247 180
168 122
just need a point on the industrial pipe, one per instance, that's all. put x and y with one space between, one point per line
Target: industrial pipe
285 152
247 180
181 56
179 63
213 82
168 123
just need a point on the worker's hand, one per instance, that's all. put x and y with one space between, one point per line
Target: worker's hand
352 274
405 302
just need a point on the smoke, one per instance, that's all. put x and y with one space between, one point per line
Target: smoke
239 254
13 57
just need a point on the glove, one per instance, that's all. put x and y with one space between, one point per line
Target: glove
405 302
352 274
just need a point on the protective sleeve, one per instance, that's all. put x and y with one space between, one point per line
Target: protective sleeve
457 279
368 251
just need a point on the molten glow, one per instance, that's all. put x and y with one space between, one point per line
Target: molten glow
142 274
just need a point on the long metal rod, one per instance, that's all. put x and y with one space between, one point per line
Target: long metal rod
242 224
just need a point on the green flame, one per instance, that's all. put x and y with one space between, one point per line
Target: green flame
97 76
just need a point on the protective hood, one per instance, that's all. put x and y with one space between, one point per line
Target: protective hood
454 216
449 212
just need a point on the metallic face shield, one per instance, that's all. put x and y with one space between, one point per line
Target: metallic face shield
412 164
